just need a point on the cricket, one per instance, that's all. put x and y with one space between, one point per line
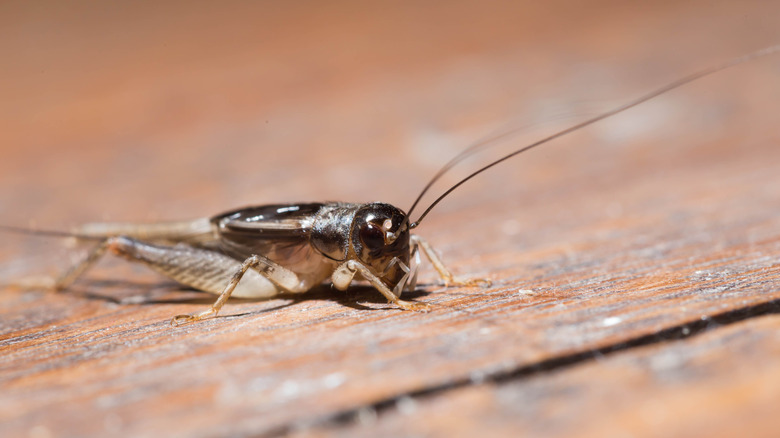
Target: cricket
269 250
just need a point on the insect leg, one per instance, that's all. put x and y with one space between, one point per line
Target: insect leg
199 268
344 274
210 271
107 233
279 275
68 277
444 273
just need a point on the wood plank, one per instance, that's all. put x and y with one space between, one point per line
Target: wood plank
723 383
655 220
268 369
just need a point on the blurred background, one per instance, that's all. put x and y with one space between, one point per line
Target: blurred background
168 110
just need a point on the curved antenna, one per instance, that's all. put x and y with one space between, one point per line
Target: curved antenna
642 99
473 149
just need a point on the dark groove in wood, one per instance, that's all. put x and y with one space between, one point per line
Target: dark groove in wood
671 334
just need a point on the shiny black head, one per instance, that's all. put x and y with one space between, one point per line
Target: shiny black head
379 234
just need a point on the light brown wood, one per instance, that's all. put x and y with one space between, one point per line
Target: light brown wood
607 242
722 383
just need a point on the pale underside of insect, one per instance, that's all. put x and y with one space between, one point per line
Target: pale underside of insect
265 251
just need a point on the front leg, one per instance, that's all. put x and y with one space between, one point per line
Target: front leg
345 273
444 273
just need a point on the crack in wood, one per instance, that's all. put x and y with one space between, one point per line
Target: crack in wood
675 333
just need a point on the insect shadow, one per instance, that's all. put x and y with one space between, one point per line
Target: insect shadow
145 293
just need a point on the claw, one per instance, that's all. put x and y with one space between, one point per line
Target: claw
484 282
186 319
182 319
415 306
472 282
421 307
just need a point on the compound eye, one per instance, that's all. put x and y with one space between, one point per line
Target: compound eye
372 236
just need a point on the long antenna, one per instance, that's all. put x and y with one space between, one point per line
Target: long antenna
469 151
653 94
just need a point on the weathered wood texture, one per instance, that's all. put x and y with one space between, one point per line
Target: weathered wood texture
634 263
723 383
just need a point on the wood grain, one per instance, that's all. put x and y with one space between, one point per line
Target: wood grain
608 243
722 383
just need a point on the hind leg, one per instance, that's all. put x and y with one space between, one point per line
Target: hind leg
202 269
68 277
210 271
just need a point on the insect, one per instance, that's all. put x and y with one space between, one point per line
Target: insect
264 251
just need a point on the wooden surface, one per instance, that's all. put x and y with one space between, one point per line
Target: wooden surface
636 264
